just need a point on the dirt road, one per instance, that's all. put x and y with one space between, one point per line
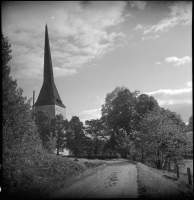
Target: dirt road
117 180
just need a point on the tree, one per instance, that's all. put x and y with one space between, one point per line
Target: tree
43 122
59 127
94 129
75 136
123 143
189 130
87 146
17 122
119 111
124 110
162 138
144 105
176 119
8 85
190 124
109 98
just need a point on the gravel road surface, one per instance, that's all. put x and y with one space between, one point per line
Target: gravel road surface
117 180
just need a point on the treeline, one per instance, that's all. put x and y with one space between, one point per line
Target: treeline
132 125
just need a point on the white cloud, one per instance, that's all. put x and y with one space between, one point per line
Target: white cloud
150 37
90 114
180 13
63 72
171 92
158 63
78 32
178 61
139 27
189 84
167 97
140 4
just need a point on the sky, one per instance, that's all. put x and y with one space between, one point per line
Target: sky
99 45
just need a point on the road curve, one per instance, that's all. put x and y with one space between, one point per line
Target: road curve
117 180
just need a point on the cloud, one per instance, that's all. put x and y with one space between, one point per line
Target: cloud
180 13
178 61
166 97
139 27
78 32
63 72
151 37
157 64
140 4
189 84
90 114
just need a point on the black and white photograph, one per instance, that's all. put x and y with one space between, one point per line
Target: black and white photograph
97 99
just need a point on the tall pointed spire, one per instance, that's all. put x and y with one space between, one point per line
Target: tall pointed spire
48 69
48 93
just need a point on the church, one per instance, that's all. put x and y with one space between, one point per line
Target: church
48 98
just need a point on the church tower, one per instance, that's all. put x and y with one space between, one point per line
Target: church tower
49 99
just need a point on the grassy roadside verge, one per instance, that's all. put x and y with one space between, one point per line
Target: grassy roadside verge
153 183
43 173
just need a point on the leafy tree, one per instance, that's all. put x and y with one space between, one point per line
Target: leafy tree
87 146
189 130
124 110
43 122
190 124
75 136
109 98
59 127
110 145
144 105
19 133
162 138
175 118
94 129
123 143
17 122
119 112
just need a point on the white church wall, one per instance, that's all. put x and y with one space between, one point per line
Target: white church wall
60 110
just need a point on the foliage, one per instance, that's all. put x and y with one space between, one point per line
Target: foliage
125 110
43 122
87 146
144 105
75 136
190 124
17 122
59 126
19 132
153 184
162 138
121 111
94 129
123 143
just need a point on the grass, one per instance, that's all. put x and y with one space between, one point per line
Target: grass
40 174
153 183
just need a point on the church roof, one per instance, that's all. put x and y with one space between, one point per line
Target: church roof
48 94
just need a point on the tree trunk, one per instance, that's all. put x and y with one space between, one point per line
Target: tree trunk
164 164
57 151
142 158
158 159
